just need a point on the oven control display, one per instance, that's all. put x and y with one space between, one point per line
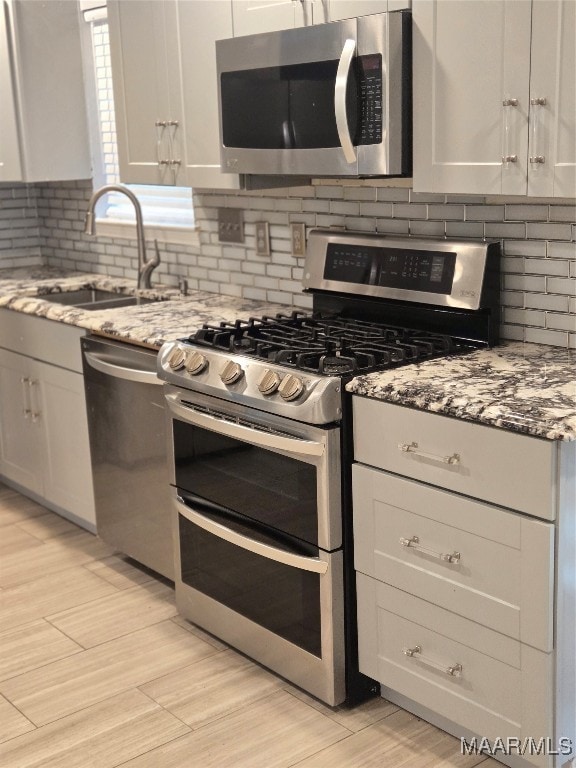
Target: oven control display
415 270
348 264
406 269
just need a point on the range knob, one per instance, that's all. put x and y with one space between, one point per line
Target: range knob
291 387
231 372
269 382
195 363
177 358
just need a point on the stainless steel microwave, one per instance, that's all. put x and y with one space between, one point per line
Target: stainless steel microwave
326 100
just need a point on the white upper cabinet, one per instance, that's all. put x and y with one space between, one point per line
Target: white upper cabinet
200 24
334 10
553 80
250 17
43 126
480 72
145 72
165 90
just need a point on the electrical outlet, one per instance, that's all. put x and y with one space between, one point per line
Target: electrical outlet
262 238
298 232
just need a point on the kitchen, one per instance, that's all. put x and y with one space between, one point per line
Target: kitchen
537 296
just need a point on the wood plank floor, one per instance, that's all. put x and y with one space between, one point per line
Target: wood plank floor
97 670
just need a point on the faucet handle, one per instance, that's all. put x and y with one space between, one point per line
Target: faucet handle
156 259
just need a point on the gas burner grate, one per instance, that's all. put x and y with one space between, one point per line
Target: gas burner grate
330 345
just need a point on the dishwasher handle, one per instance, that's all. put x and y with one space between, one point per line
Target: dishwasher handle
121 371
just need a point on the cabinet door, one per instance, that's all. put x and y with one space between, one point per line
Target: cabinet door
200 24
250 17
347 9
140 45
20 428
58 399
469 58
553 124
10 166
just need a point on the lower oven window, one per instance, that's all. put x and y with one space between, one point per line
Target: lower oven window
281 598
277 490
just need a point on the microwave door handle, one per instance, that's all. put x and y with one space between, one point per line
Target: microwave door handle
301 562
342 75
122 372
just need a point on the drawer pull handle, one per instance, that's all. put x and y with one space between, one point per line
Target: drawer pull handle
413 448
455 670
414 543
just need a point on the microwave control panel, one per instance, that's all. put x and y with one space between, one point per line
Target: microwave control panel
370 87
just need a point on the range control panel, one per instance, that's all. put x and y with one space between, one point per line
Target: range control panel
442 272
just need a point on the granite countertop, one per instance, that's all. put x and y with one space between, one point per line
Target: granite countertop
526 388
25 289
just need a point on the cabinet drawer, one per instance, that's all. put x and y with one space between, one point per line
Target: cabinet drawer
53 342
504 468
471 675
481 562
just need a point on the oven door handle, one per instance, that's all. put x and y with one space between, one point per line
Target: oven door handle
252 434
121 371
301 562
342 75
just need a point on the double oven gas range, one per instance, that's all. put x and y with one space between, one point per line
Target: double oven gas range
261 443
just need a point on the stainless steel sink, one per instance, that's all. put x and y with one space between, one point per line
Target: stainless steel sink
95 298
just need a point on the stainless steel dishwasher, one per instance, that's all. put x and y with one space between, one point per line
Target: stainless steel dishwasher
128 446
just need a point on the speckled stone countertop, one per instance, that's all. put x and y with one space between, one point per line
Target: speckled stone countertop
527 388
26 289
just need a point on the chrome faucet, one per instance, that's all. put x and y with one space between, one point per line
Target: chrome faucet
145 266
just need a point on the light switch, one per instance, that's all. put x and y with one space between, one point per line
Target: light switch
230 225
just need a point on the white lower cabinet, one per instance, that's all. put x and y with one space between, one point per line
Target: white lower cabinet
466 607
470 674
44 445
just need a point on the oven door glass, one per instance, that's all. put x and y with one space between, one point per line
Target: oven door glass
279 597
276 490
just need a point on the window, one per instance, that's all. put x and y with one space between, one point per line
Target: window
169 208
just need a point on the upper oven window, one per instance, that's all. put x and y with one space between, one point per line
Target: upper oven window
273 489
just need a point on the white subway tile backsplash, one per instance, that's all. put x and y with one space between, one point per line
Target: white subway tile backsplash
446 212
345 208
525 248
393 226
563 213
546 336
561 322
504 230
427 228
484 213
526 213
464 229
538 238
547 267
548 301
560 285
562 251
392 194
548 231
360 193
410 211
